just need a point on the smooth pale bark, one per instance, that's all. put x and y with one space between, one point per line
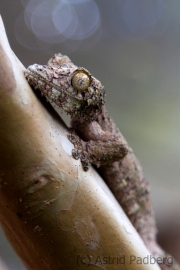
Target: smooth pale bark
55 215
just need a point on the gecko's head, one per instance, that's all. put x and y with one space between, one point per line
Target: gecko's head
71 88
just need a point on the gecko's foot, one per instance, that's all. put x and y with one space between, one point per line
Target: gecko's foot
75 154
79 151
85 165
79 155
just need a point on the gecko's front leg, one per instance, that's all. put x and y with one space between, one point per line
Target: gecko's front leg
98 147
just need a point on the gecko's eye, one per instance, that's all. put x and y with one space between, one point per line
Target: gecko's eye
81 80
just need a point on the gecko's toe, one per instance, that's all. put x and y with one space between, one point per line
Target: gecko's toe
75 154
85 166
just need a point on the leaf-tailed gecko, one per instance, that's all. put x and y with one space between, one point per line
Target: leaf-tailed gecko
98 141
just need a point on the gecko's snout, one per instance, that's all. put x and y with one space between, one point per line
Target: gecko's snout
36 70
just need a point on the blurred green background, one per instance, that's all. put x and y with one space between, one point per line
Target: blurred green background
133 48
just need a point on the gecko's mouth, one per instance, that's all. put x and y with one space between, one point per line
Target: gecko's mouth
38 78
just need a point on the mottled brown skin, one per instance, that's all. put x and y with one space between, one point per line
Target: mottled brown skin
98 141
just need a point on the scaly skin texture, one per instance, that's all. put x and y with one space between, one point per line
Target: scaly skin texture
98 141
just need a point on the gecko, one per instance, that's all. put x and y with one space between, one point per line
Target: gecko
98 141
